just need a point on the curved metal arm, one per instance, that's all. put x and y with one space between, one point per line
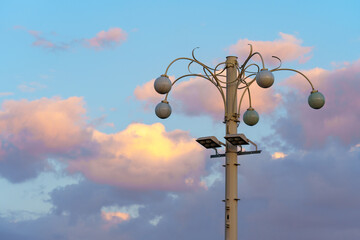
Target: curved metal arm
218 66
202 76
175 60
242 96
280 62
243 66
192 61
250 56
209 75
253 64
261 57
213 75
243 80
293 70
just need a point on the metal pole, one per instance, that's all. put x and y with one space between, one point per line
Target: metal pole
231 177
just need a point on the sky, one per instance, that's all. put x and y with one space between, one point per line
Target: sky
83 155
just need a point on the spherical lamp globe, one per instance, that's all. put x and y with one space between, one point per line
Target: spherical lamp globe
163 109
251 117
265 78
316 100
162 84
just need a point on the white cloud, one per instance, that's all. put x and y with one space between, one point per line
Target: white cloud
155 221
355 148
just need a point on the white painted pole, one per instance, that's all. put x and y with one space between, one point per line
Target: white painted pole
231 177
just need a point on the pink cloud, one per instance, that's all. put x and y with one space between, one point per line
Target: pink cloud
139 157
5 94
196 97
45 125
147 94
287 48
103 39
339 117
33 131
41 41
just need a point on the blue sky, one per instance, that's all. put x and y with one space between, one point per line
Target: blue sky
68 104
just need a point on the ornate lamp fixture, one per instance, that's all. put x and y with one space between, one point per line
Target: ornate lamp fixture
263 77
238 77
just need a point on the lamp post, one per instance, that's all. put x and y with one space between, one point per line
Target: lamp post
239 79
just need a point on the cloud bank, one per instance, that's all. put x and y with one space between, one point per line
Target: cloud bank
141 156
310 193
338 119
316 201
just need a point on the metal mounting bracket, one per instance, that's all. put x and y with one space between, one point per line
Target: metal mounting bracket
238 153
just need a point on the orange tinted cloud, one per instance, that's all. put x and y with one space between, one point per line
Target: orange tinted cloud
144 157
115 217
278 155
196 97
287 48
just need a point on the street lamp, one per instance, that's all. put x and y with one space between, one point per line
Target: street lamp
237 139
238 77
209 142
